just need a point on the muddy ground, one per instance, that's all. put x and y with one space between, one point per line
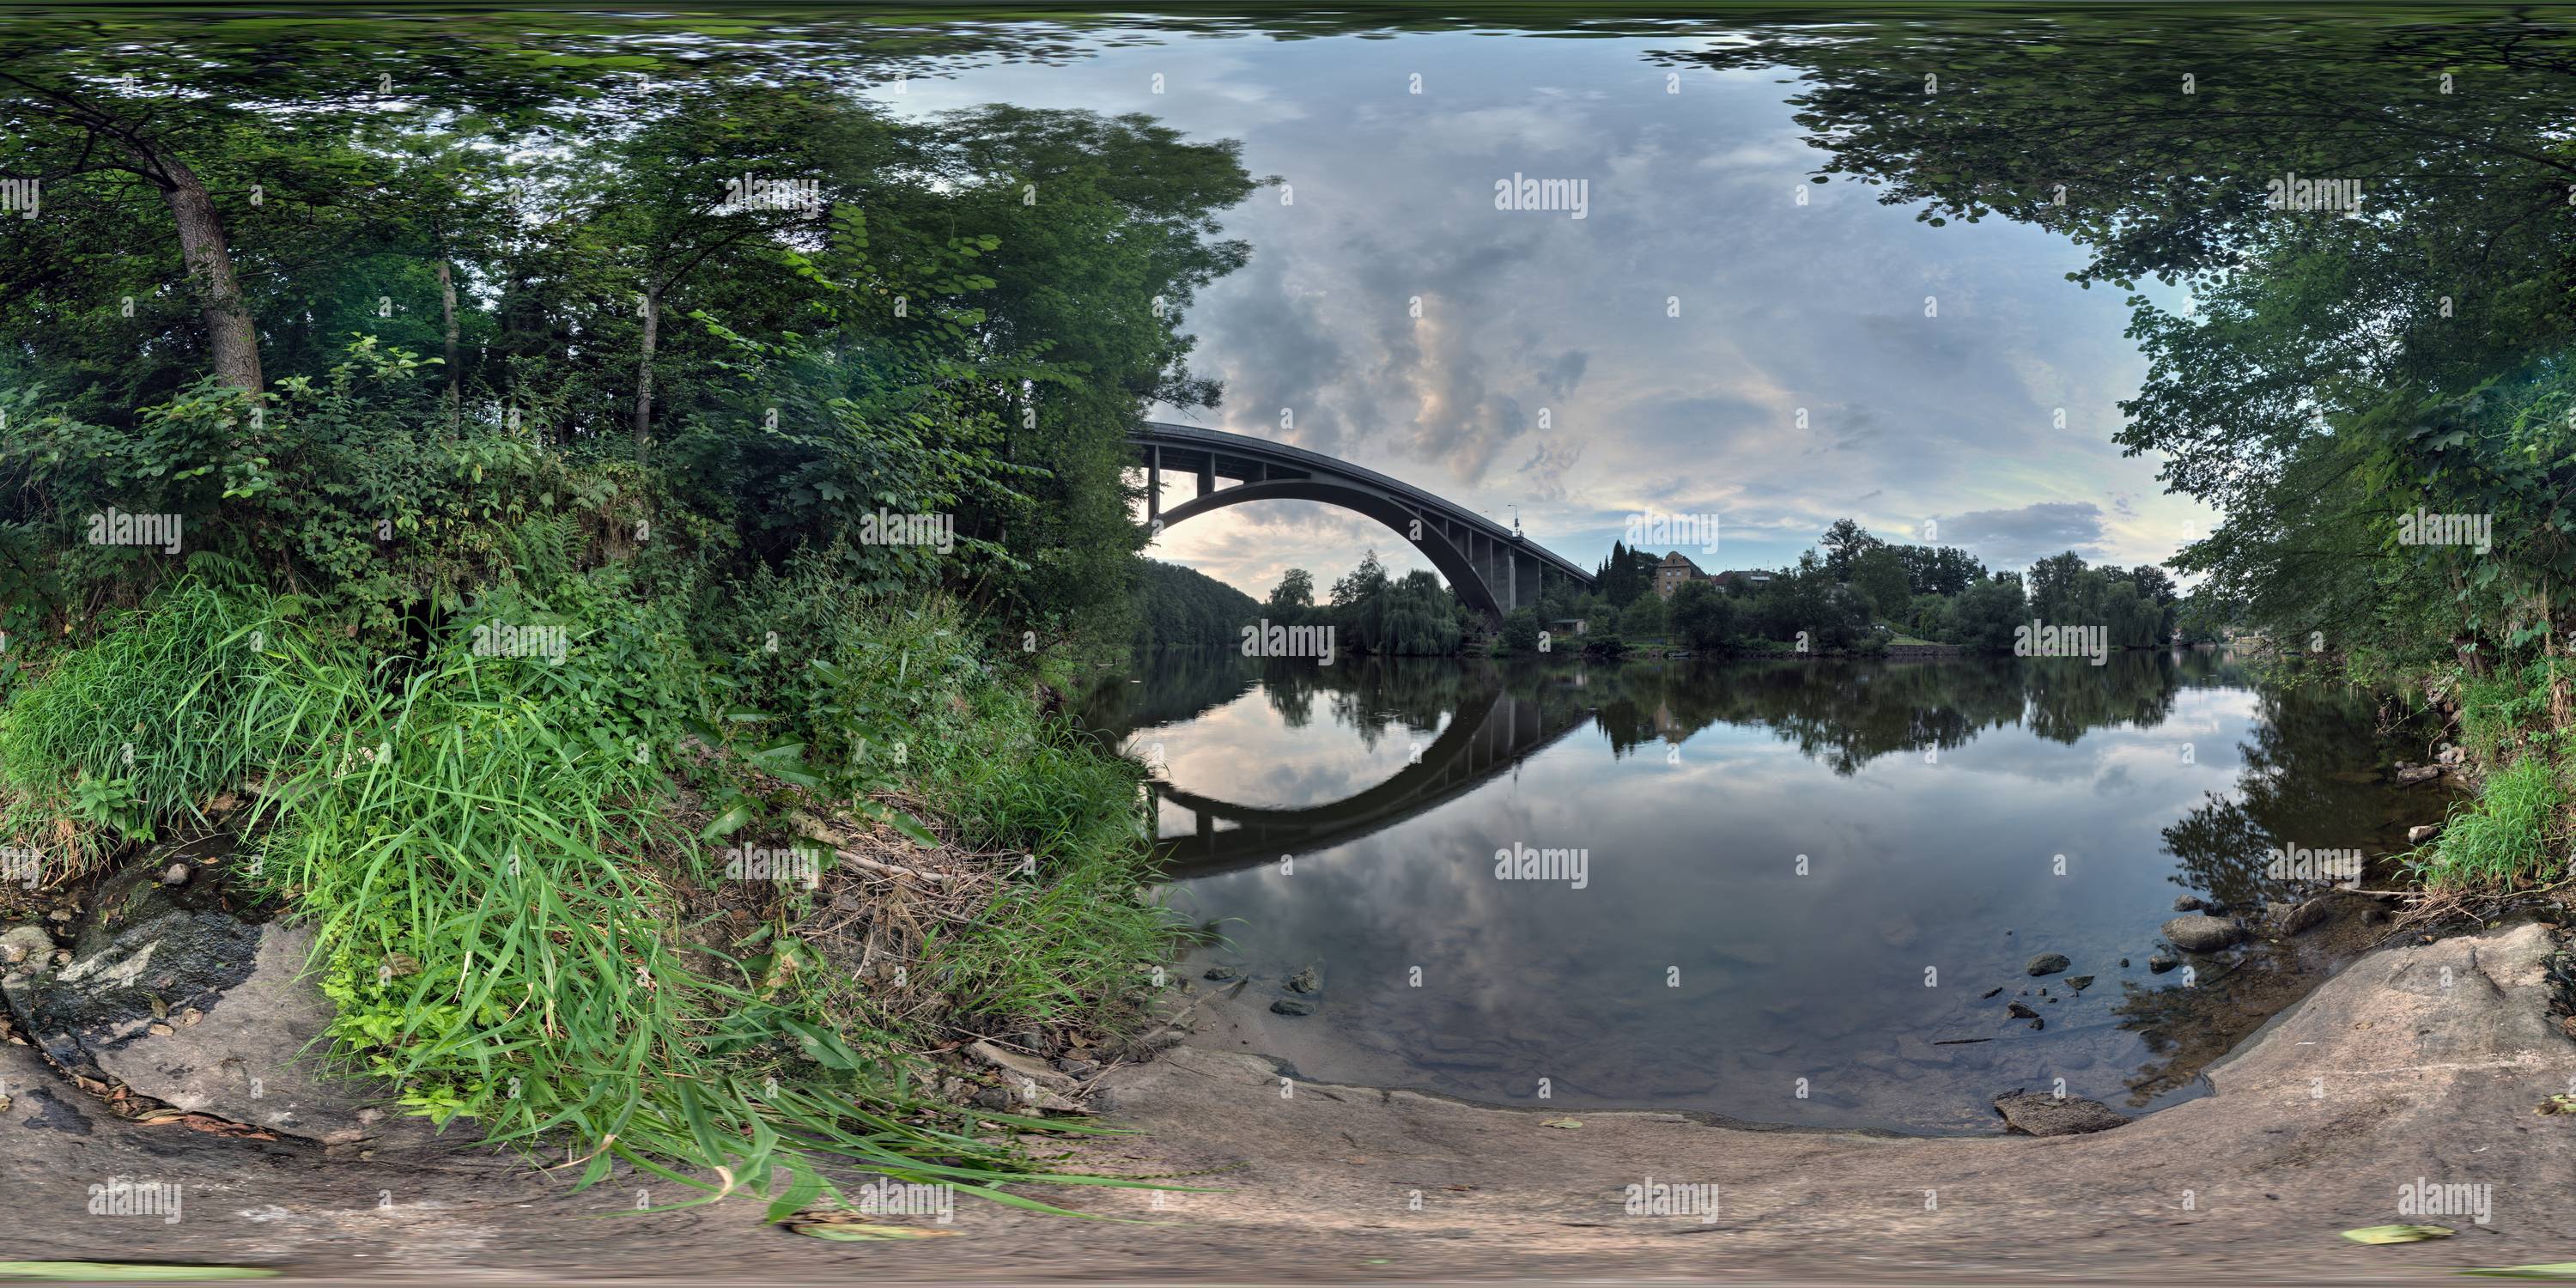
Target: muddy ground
2417 1064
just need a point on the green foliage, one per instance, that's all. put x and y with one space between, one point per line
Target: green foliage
1183 608
1413 615
1520 631
1644 618
479 842
2509 839
1702 615
1984 616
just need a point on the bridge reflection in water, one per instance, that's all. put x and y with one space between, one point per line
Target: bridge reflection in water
1492 732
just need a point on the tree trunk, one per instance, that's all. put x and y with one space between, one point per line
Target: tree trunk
447 305
644 378
229 329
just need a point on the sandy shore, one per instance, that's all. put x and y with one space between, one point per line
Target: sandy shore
2416 1064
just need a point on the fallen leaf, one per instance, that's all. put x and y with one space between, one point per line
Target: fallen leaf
2550 1270
1567 1123
124 1271
855 1232
2398 1233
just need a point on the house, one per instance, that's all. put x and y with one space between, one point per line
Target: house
1736 579
1675 572
1568 626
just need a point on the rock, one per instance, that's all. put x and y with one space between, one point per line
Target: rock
2021 1012
1017 1068
2078 982
2037 1115
997 1098
23 943
1988 995
2037 1025
2408 775
244 1046
1309 980
1292 1006
175 875
1222 974
2189 903
2048 964
2422 832
2163 961
2124 961
2452 756
2307 915
2201 933
2276 913
1077 1068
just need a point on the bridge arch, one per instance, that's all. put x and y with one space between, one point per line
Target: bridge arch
1491 567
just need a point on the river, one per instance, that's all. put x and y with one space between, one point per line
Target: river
1775 891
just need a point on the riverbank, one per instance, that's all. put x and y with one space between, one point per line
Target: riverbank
2420 1064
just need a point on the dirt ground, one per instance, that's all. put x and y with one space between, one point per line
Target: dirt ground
2416 1065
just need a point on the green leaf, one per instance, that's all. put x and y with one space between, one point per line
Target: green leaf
742 811
2398 1233
821 1047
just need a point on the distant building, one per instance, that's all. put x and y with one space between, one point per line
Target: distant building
1568 626
1737 579
1675 572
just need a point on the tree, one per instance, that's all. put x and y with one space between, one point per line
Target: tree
1845 542
1642 618
2054 596
1984 617
1879 575
2334 374
1702 614
1520 632
1294 594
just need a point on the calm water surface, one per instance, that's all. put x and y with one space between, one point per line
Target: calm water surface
1797 876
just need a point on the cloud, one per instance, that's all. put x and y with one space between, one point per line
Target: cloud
2016 539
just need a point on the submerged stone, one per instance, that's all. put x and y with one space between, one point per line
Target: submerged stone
2037 1115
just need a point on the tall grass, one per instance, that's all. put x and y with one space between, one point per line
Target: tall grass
469 836
2506 839
133 730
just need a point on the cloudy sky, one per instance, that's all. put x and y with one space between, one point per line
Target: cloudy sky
1653 356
